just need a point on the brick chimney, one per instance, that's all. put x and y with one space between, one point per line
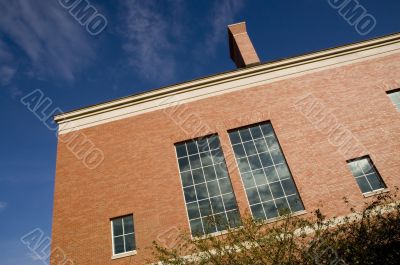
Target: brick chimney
241 49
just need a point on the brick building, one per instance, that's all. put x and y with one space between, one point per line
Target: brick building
299 133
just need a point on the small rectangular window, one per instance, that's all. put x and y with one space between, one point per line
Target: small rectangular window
123 235
367 177
269 185
395 97
210 201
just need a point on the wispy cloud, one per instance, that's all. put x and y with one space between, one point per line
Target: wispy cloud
3 205
222 14
149 40
153 37
6 74
52 41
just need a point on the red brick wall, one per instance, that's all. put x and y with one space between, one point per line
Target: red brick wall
139 174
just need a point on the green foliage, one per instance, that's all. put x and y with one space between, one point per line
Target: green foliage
369 236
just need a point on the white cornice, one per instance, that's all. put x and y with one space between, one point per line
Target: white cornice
227 82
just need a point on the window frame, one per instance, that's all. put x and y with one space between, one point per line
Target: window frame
125 253
268 122
372 192
228 177
396 90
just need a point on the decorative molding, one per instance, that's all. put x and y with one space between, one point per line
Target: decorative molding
226 83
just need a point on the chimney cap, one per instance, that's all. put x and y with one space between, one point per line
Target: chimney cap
241 49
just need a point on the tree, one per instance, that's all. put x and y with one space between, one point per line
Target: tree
368 236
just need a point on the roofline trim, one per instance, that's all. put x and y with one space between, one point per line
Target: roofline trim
226 77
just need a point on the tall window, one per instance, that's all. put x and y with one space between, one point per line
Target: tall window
266 177
210 201
123 235
395 97
366 175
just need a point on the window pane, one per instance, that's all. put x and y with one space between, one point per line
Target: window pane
193 210
206 159
355 169
221 222
229 201
248 180
276 190
186 179
201 191
272 143
217 204
283 171
202 144
277 156
395 97
209 173
243 165
266 160
250 148
254 162
366 166
375 182
363 183
234 218
198 176
130 242
272 176
367 177
190 194
222 171
270 209
252 195
261 146
288 187
256 132
117 226
282 205
239 150
209 225
205 207
217 156
128 224
245 135
196 227
267 130
265 193
234 136
213 141
295 203
210 178
213 189
257 211
259 177
181 150
265 175
192 148
225 185
194 161
119 245
183 164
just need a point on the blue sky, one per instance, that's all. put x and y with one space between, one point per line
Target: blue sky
146 44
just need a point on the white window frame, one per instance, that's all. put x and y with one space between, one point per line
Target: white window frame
126 253
394 91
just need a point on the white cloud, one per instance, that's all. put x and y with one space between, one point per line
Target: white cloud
3 205
6 74
54 42
154 32
149 40
223 13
